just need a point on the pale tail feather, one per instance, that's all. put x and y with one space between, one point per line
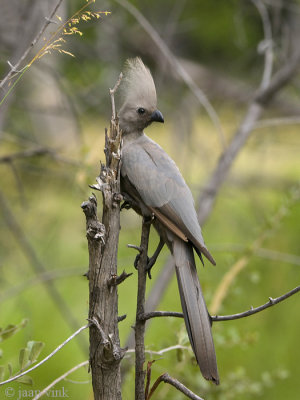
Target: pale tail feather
194 309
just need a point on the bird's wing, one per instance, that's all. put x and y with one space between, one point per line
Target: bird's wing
162 189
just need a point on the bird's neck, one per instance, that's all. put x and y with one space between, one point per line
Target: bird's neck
129 137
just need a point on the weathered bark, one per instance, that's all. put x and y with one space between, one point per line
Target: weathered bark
105 351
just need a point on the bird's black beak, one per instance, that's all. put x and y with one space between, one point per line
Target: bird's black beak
157 116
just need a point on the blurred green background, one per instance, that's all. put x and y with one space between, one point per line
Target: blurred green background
61 106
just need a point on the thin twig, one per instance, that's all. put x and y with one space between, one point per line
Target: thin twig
267 44
112 96
40 151
133 246
162 351
148 377
265 123
218 318
256 310
48 20
155 314
25 154
46 358
166 378
280 79
60 378
176 65
140 309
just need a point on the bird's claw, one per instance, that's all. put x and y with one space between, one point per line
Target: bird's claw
150 263
126 204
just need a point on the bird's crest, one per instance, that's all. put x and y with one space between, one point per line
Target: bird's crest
137 86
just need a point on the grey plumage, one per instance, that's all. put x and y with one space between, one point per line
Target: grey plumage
153 183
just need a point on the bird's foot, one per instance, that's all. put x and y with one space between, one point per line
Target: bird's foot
150 263
126 205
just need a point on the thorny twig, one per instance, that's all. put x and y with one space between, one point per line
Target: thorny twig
218 318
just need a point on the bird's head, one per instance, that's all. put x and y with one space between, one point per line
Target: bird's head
138 109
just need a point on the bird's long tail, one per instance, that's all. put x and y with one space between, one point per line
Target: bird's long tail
196 316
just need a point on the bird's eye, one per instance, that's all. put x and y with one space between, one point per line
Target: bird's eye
141 110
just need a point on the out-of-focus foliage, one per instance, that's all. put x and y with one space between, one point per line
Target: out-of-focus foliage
61 105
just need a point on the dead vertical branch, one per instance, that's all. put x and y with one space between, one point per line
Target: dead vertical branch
140 373
105 351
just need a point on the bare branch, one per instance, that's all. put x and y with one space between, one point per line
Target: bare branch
262 98
13 69
60 378
25 154
218 318
112 96
293 7
162 351
155 314
265 123
40 151
133 246
176 65
46 358
140 309
148 380
252 311
279 80
166 378
122 317
267 45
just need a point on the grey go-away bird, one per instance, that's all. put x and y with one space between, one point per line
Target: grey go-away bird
153 185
